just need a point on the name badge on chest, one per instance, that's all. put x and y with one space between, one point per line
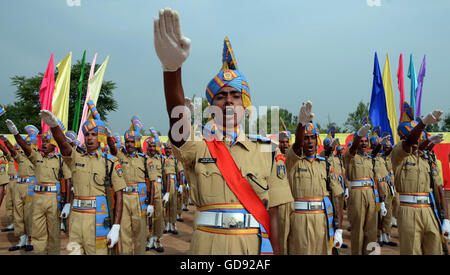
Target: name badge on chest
207 160
79 164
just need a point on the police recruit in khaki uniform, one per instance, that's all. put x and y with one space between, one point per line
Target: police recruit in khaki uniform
312 230
4 178
366 198
253 165
24 190
90 230
133 233
12 177
154 163
387 150
419 230
49 169
171 185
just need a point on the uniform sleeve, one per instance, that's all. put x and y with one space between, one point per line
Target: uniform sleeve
291 159
398 154
118 182
4 178
71 159
34 156
67 173
186 153
279 190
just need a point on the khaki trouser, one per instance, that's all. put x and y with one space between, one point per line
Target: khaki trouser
82 232
171 209
133 226
284 212
158 217
363 220
308 234
10 201
46 224
22 210
395 204
418 231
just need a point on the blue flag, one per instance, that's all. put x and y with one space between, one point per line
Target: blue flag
378 110
412 75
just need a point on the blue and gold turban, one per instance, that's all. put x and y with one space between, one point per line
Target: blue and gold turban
2 110
229 75
375 138
95 124
408 123
330 136
71 135
311 128
135 131
32 139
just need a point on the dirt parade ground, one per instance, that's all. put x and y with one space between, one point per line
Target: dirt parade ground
176 244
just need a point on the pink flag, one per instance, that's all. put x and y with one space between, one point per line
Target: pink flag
85 106
46 90
401 85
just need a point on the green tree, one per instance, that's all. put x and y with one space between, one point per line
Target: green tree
26 109
353 122
446 123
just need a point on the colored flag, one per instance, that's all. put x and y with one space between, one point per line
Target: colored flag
401 85
46 90
390 103
413 77
76 116
85 106
378 109
419 87
60 102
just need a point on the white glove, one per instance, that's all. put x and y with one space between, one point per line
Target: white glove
433 117
364 130
150 210
107 132
187 186
346 193
338 238
446 229
49 118
171 46
166 197
65 211
11 127
385 139
437 138
180 189
113 235
335 142
383 209
305 115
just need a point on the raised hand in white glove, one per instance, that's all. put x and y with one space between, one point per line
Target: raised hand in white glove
65 211
49 118
437 138
338 238
364 130
385 139
187 186
107 132
383 210
113 235
433 117
150 211
305 115
180 189
11 127
172 48
335 142
166 197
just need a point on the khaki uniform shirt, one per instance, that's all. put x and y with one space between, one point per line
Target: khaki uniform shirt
4 177
154 164
412 171
358 166
169 165
47 168
24 165
254 159
89 171
133 166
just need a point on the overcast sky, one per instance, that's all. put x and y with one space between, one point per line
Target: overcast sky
289 51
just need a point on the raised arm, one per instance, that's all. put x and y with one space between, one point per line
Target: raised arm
304 117
172 49
13 130
59 136
414 135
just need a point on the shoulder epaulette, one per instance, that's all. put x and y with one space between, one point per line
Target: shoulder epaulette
320 158
258 138
141 154
110 157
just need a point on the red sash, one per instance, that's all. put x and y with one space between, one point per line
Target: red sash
237 183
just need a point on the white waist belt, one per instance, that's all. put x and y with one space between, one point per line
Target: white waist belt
226 220
45 188
23 180
85 203
158 180
361 183
415 199
309 205
131 189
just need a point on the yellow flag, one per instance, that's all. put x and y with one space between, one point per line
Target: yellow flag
390 103
60 102
95 84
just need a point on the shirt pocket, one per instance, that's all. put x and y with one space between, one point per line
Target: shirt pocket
258 182
410 172
210 181
303 181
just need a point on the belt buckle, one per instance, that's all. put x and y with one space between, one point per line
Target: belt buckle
83 203
232 220
315 205
422 200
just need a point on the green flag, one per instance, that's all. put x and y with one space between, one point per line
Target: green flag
76 118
